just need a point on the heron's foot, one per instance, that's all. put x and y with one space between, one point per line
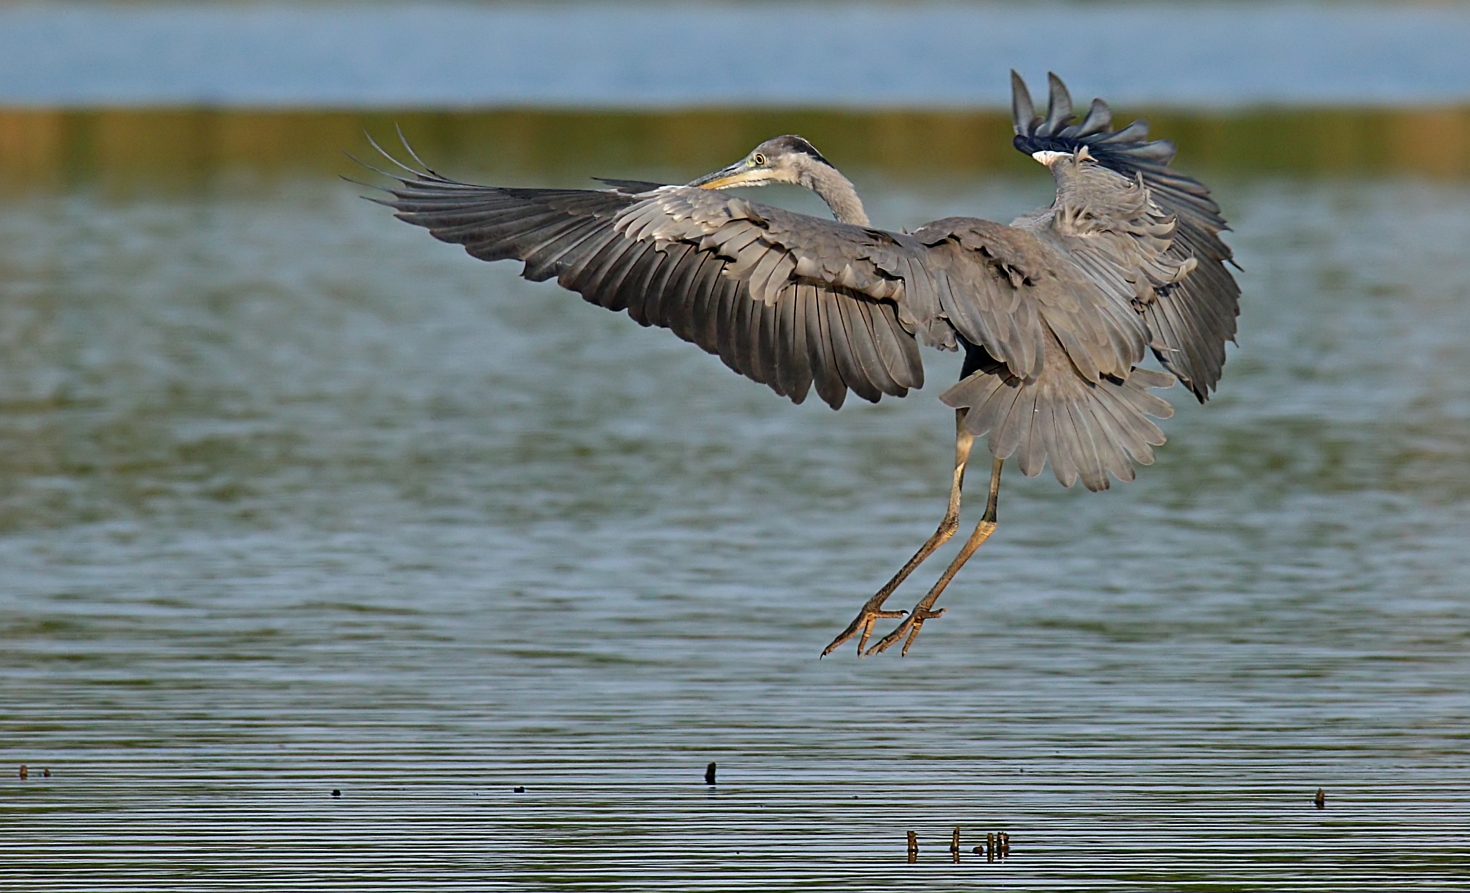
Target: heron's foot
871 612
910 627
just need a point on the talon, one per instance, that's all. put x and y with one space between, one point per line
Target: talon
887 641
911 625
863 622
914 633
868 627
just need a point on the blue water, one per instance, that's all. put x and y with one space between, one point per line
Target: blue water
667 54
295 499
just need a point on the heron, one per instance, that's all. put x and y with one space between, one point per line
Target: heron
1054 313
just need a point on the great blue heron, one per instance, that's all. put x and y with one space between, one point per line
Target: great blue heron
1053 312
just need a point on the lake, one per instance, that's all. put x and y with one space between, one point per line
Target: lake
332 559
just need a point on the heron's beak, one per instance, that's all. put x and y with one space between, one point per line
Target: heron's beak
737 174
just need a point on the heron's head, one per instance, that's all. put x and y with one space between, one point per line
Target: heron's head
785 159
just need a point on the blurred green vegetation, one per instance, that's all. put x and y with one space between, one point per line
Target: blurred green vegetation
174 148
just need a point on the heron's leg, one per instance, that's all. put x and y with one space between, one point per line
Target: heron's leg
872 610
924 609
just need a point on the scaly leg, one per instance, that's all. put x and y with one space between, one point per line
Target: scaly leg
872 610
923 610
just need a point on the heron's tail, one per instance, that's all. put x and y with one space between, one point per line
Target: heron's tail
1083 429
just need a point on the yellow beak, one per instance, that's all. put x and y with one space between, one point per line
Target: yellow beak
735 175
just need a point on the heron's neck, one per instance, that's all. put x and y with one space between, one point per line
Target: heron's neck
837 192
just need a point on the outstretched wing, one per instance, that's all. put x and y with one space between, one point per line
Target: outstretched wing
785 299
1190 318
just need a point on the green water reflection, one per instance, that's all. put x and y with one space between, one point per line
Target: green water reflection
184 147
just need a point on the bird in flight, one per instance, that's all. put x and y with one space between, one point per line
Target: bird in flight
1054 312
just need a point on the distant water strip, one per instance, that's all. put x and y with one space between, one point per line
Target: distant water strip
657 55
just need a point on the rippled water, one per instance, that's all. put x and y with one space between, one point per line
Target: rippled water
294 499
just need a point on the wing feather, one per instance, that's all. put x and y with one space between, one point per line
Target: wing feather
634 291
608 287
547 243
669 266
826 378
844 352
768 344
859 325
792 373
1053 426
1088 449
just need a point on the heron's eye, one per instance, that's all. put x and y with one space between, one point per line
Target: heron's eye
758 158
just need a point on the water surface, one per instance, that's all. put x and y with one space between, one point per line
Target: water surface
294 499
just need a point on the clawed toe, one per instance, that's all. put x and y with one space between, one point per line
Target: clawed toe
910 626
862 623
872 612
